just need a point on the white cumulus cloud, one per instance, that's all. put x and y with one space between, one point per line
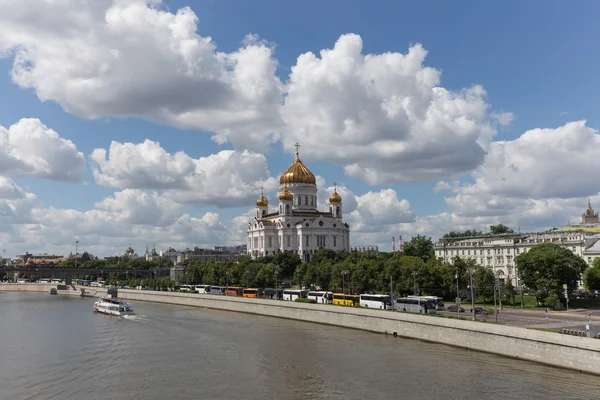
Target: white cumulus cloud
227 179
135 58
384 116
29 148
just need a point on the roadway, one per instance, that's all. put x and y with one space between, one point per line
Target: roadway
527 318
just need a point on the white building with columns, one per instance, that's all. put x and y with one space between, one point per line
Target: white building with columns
296 225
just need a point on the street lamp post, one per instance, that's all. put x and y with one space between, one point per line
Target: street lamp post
472 295
226 281
391 293
247 275
458 296
298 273
414 274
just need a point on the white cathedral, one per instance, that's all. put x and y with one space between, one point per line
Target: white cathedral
297 225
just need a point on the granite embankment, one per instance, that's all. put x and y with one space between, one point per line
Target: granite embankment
578 353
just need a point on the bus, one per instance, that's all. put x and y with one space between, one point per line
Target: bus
439 301
202 289
293 294
321 297
186 287
416 305
253 293
272 293
342 299
217 290
234 290
380 301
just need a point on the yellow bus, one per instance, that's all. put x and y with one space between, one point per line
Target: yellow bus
346 300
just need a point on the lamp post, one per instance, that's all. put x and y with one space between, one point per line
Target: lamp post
247 275
276 270
226 282
391 293
458 296
472 295
414 275
298 273
344 273
521 289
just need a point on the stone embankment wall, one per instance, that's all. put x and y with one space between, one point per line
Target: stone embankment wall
582 354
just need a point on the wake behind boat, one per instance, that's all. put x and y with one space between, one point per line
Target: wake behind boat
113 307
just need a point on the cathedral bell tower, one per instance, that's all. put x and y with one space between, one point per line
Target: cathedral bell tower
335 203
262 205
285 202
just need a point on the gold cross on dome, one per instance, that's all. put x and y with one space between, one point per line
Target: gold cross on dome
297 146
334 185
262 190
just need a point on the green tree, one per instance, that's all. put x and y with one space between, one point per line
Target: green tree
467 233
419 246
546 267
591 277
500 229
483 282
287 263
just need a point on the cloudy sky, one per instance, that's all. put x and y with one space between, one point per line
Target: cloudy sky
133 122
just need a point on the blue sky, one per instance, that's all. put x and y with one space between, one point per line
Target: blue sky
535 59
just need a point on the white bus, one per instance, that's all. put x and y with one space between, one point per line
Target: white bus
439 302
380 301
217 290
293 294
186 287
202 289
416 305
321 297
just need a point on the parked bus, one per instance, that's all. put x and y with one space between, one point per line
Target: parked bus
321 297
272 293
439 302
186 287
416 305
217 290
293 294
380 301
234 290
254 293
346 299
202 289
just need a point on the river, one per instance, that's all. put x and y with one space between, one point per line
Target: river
55 347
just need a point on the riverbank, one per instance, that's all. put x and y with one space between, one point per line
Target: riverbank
577 353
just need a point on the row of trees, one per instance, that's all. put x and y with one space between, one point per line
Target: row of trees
544 269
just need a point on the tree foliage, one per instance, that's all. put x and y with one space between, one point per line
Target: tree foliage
420 246
546 267
457 234
591 277
500 229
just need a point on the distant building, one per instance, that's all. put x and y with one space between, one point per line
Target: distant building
365 249
151 256
498 252
589 217
28 259
177 272
217 253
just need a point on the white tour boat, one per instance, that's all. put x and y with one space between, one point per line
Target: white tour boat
113 307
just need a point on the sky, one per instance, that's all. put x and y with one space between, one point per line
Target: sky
141 122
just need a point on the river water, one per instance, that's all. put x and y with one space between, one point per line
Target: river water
54 347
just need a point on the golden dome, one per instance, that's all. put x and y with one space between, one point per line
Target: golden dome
262 201
297 173
335 197
285 194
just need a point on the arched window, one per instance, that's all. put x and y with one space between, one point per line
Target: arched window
299 200
281 209
287 208
263 212
337 210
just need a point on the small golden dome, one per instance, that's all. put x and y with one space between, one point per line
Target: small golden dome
335 197
285 194
262 201
297 173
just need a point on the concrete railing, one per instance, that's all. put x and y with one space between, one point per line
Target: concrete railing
582 354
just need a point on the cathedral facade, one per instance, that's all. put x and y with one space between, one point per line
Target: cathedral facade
296 225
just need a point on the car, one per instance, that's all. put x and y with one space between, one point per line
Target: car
455 308
479 310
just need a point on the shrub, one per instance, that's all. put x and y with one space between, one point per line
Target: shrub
302 300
